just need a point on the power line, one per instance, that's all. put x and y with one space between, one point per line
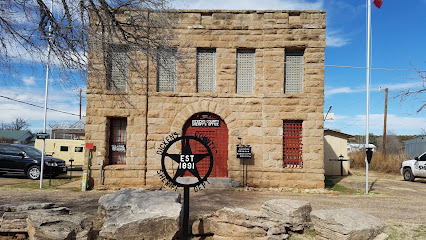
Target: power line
31 104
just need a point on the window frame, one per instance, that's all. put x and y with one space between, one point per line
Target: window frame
212 69
250 77
171 72
122 123
112 53
290 69
292 143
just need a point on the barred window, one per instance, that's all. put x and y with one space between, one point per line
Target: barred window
245 71
292 144
206 70
118 65
117 140
167 70
293 80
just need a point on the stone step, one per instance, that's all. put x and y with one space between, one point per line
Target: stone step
214 182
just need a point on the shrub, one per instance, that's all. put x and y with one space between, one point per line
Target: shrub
391 164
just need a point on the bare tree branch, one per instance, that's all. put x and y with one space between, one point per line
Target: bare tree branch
416 94
66 30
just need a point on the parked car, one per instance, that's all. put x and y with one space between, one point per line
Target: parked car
411 169
25 159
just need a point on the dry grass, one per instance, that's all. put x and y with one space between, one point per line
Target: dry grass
391 164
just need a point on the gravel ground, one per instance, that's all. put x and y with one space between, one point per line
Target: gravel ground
399 203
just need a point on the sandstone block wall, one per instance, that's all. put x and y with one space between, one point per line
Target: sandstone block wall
257 118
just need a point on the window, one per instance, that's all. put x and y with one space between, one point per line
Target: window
293 80
206 70
117 140
245 71
12 151
78 149
64 149
166 70
118 65
292 144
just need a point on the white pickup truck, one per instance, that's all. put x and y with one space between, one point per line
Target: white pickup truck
411 169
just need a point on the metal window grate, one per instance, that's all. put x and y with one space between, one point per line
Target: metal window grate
292 144
118 68
293 81
245 71
206 70
167 70
118 137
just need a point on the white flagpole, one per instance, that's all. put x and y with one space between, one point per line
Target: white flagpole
45 103
368 90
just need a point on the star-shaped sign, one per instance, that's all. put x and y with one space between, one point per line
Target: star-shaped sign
187 161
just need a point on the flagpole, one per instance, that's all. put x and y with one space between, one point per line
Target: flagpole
45 101
368 90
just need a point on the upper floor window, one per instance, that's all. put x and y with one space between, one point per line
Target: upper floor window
206 70
166 70
245 71
118 67
293 80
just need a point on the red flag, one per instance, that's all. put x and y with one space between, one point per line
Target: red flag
378 3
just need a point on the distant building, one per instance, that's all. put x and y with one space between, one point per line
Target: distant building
416 146
73 131
335 145
356 147
15 136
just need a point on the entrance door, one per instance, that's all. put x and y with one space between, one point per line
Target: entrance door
214 128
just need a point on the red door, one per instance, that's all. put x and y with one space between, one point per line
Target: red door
214 128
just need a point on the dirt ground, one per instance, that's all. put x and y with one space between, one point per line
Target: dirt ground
391 199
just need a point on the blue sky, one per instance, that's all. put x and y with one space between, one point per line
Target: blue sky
399 37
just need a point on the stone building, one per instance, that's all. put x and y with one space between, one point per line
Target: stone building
257 75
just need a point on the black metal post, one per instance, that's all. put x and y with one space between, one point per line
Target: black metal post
185 223
341 168
71 160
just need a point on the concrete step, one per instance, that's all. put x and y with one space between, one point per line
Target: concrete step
214 182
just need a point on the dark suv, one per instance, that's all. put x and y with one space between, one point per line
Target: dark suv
25 159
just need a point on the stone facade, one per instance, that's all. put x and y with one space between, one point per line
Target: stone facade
257 118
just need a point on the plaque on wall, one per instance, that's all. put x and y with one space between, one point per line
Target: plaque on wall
118 148
205 123
243 152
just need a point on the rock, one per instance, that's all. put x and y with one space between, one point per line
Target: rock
292 212
58 224
346 223
140 214
381 236
239 223
14 222
25 207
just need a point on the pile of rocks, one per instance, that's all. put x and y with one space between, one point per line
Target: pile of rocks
142 214
44 221
278 217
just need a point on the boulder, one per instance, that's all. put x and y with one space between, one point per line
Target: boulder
295 213
58 224
238 223
346 223
140 214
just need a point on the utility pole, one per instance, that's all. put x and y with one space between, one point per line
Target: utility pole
80 105
384 125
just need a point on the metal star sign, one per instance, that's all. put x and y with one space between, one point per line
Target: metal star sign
187 161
